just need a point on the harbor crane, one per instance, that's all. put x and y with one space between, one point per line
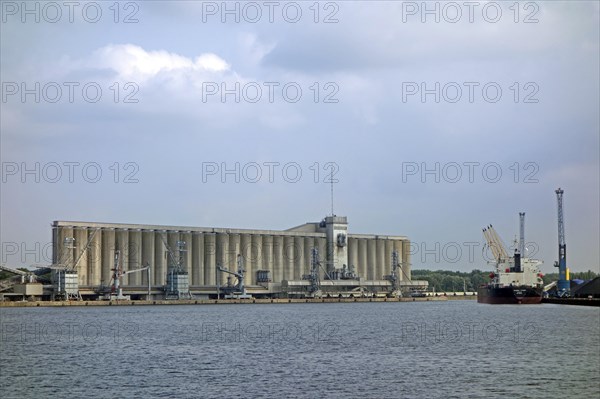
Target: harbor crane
118 272
238 290
563 285
178 283
394 277
313 276
65 280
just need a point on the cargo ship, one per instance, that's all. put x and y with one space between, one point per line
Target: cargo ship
517 279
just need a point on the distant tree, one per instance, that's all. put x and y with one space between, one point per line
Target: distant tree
446 280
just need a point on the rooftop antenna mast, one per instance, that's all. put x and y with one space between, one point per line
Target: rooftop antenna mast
331 181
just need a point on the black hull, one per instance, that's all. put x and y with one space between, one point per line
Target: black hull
509 295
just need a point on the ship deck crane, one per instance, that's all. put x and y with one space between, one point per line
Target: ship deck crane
495 244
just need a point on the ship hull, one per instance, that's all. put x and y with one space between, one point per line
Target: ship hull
509 295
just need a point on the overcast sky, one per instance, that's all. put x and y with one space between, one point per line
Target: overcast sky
435 129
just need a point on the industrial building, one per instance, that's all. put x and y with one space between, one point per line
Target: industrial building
157 262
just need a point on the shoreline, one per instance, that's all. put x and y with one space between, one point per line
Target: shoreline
20 304
572 301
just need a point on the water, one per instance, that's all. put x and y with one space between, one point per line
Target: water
453 349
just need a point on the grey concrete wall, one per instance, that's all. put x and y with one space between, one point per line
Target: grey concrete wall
285 254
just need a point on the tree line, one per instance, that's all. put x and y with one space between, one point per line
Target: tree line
449 281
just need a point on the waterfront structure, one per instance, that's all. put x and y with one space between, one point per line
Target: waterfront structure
275 261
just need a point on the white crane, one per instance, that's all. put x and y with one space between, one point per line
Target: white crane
118 273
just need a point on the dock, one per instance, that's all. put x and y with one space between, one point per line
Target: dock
13 304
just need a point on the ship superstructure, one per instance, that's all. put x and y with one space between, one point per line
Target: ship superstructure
517 278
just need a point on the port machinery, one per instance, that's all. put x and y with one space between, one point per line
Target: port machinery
64 276
178 282
345 282
314 290
563 285
231 290
517 278
115 292
394 277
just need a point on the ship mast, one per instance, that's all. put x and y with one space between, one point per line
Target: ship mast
522 233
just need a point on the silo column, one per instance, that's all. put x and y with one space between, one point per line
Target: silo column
362 258
122 237
95 257
279 259
148 256
222 256
322 247
197 270
210 258
406 259
246 251
135 257
289 252
372 259
256 258
65 248
353 254
267 252
80 256
108 252
298 257
160 257
389 248
234 250
309 243
380 245
187 255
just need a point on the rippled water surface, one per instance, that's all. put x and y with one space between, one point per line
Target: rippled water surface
377 350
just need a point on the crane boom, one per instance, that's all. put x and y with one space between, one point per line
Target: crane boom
87 245
136 270
118 272
495 243
239 274
561 222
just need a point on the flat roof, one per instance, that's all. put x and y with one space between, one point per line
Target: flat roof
100 225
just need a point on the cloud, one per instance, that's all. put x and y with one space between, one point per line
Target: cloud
133 62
